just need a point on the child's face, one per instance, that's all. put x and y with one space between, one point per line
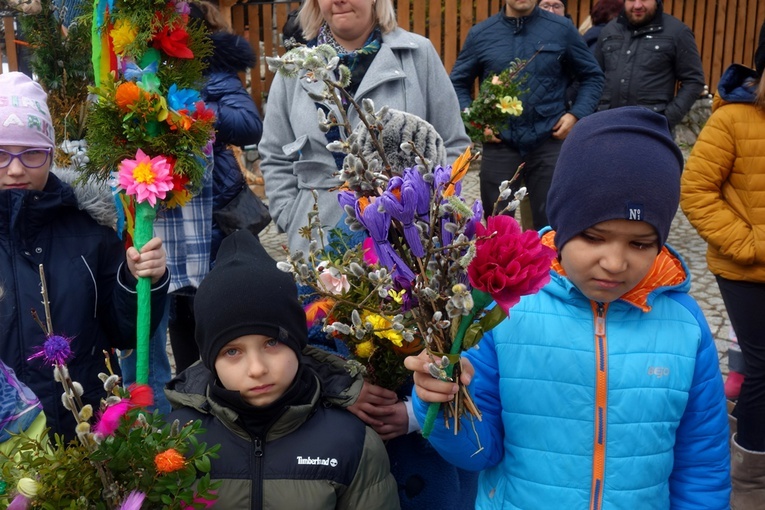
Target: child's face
611 258
258 367
25 171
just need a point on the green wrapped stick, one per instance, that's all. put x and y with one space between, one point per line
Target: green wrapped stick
144 230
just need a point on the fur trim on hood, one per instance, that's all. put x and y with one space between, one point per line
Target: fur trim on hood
93 196
231 53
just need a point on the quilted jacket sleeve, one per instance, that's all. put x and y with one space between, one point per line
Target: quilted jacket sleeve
709 167
479 445
237 121
373 487
701 473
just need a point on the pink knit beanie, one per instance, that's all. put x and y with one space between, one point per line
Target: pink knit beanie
24 116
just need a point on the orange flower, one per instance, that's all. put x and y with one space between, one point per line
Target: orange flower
128 94
459 169
169 461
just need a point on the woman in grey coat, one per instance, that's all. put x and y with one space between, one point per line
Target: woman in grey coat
389 65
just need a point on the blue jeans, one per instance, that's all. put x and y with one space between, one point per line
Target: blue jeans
159 365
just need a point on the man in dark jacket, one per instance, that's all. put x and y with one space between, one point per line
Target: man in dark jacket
645 53
522 30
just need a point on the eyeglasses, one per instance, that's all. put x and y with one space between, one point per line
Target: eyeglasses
30 158
552 6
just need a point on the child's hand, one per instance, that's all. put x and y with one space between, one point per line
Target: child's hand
430 389
149 263
373 401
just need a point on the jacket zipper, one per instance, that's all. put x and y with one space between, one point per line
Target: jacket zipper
257 481
601 405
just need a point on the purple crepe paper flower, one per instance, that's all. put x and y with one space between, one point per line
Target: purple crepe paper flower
377 224
346 198
413 178
441 177
133 501
56 350
400 201
472 222
20 502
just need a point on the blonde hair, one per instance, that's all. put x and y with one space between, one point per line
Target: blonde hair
214 19
311 19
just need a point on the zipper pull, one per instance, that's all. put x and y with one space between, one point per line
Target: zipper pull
258 447
600 321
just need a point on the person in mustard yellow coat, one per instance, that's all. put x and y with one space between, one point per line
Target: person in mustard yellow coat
723 196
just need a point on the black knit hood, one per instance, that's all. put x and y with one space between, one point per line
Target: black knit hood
231 54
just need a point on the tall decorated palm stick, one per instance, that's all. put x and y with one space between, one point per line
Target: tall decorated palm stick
149 129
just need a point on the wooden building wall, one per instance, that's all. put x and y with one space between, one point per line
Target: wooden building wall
726 30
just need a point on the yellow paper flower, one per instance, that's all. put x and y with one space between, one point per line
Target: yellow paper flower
383 328
365 349
123 34
178 199
510 105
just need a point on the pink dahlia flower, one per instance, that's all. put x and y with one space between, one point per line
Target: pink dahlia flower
145 177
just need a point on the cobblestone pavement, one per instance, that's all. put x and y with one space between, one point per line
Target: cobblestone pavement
682 237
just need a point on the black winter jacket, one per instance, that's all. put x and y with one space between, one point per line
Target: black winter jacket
237 121
314 457
91 292
643 65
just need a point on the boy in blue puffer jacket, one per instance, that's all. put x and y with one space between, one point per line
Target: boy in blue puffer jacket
603 390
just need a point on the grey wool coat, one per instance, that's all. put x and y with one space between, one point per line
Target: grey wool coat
407 74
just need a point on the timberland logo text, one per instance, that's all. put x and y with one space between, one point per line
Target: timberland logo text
317 461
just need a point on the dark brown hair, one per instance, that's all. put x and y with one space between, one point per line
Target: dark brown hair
605 10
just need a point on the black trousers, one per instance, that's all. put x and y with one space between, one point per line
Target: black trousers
499 162
745 304
181 330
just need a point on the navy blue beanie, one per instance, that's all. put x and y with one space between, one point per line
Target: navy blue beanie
246 294
616 164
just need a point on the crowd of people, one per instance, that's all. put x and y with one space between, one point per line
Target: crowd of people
603 390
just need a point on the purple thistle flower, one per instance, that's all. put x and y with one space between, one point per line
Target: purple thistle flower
377 224
55 351
400 201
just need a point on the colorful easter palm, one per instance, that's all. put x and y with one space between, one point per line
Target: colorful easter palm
149 130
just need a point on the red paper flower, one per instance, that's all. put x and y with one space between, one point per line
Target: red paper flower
202 113
174 41
508 263
141 395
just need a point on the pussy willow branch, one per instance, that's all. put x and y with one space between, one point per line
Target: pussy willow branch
336 86
46 303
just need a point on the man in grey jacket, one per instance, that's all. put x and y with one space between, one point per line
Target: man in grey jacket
645 53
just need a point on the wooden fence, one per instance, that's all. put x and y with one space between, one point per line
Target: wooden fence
726 30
